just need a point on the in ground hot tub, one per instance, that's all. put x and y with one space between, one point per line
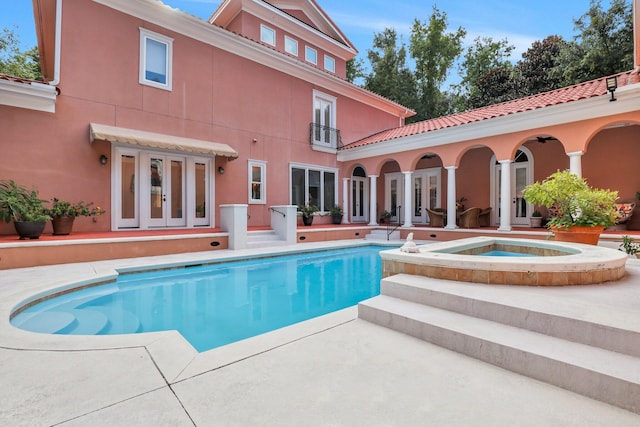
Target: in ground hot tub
552 263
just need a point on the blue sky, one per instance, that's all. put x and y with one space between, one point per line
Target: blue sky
521 22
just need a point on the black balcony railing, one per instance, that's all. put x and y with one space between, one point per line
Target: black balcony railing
324 136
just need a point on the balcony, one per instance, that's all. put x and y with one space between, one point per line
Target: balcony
324 137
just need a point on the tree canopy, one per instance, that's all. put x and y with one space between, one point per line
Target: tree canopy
13 61
602 46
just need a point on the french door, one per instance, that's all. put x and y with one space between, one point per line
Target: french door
164 194
153 190
426 193
359 199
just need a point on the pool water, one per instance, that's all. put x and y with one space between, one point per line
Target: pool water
216 304
505 253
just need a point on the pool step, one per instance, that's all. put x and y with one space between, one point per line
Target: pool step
87 322
120 321
596 372
49 322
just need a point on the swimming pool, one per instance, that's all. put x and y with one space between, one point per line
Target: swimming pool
216 304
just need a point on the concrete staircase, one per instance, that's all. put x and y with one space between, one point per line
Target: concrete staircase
263 238
580 346
381 234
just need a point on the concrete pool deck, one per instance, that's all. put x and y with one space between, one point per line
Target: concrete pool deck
333 370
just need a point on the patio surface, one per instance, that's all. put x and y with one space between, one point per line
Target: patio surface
335 370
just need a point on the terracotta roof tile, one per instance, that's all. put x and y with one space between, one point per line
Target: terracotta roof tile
18 79
534 102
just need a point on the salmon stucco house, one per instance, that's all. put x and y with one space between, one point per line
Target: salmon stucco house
161 118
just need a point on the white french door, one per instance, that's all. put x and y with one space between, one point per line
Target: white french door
394 194
152 190
521 176
426 193
164 195
359 199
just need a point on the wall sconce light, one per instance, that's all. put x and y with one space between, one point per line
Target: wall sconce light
220 170
103 160
612 85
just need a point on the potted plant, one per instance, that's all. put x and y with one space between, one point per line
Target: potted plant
385 216
307 210
63 213
536 219
336 214
578 212
629 246
24 207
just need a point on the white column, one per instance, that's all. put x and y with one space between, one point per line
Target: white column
505 195
408 209
233 220
345 200
451 197
373 189
575 162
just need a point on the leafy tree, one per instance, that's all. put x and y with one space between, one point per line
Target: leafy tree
483 57
495 86
390 76
537 61
434 51
355 69
15 62
604 45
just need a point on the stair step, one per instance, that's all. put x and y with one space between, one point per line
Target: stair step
264 238
120 321
594 372
378 234
47 322
575 320
87 322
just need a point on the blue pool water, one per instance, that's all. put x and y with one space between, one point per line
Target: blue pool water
505 253
217 304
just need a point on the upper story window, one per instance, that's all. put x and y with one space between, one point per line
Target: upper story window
329 64
323 132
267 35
257 182
156 56
311 55
291 45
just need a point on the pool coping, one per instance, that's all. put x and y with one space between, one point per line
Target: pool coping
174 357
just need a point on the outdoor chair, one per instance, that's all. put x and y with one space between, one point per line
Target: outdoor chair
437 217
625 210
484 218
469 218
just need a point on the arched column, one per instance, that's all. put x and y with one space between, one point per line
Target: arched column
575 162
451 197
505 195
373 191
408 208
345 200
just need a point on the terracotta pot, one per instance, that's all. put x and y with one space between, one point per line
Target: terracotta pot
62 225
578 234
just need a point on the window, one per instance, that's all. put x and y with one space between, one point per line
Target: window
329 64
313 185
291 45
324 121
310 55
257 182
267 35
156 55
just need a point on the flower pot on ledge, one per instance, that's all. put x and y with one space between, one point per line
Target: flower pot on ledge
62 225
578 234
